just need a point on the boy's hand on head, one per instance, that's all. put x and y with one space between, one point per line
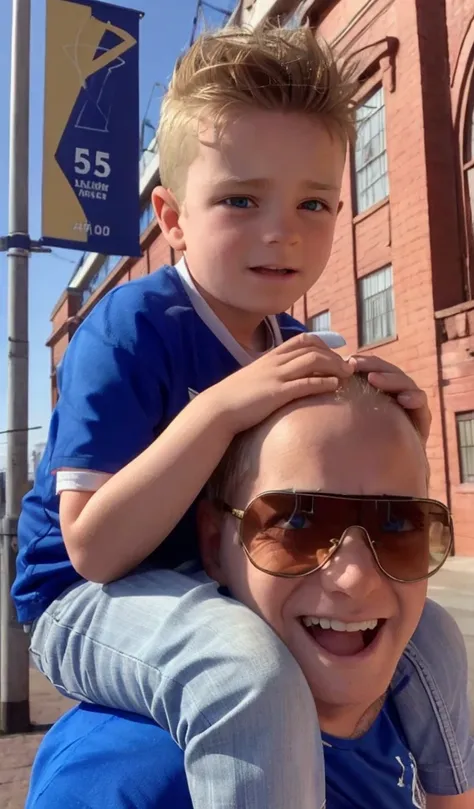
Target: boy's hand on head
390 379
302 366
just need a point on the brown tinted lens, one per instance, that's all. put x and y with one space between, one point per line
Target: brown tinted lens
280 534
411 538
294 533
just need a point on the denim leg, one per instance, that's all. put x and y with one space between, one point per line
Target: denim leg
204 667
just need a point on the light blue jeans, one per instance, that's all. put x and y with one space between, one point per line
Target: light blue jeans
207 669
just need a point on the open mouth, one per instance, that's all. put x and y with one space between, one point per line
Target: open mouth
340 638
273 271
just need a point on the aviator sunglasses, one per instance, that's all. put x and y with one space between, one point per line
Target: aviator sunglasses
294 533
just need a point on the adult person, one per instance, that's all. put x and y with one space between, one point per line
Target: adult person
318 521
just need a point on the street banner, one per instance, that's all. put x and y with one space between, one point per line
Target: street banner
91 128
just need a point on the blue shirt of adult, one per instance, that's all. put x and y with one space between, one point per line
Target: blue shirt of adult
96 758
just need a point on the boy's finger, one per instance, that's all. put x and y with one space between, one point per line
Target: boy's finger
304 339
321 357
420 416
319 364
313 385
392 381
409 396
413 399
365 363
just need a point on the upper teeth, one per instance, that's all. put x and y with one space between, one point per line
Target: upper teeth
340 626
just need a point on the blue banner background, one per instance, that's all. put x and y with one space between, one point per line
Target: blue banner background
98 151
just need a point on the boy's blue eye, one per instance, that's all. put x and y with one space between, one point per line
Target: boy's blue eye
238 202
314 205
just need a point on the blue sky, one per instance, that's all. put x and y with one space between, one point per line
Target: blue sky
164 32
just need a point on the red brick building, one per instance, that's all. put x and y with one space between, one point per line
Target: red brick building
401 278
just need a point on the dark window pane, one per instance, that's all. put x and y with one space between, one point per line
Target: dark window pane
465 425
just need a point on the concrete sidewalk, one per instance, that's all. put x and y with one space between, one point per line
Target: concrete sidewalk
453 587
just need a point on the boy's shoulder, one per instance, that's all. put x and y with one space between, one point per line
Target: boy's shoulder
156 305
144 307
289 327
159 291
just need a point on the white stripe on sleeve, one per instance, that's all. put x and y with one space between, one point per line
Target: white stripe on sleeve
80 480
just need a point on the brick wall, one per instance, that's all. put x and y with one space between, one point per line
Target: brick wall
397 230
420 230
456 330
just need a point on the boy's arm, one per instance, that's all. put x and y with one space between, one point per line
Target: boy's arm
110 532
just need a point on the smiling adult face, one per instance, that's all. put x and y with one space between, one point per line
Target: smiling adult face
363 446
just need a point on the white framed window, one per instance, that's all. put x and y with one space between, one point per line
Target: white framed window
468 172
376 306
320 322
370 160
465 428
108 265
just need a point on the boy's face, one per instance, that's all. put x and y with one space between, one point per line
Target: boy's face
259 209
333 448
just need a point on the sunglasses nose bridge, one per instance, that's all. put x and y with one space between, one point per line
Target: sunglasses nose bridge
366 537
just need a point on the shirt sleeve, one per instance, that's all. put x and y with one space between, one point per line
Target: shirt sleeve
115 377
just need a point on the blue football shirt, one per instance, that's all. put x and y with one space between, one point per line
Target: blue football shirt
376 771
131 367
96 758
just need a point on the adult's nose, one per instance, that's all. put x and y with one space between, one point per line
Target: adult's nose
352 568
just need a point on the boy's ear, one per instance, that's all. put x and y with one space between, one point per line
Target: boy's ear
209 525
167 212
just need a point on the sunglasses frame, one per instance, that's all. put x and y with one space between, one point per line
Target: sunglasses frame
239 514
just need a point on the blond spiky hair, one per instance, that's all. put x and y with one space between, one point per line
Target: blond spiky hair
267 68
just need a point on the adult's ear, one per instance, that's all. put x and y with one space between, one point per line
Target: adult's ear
166 210
209 525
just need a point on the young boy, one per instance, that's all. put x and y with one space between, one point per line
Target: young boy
252 138
345 600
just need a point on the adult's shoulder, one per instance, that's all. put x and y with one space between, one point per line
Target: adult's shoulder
437 650
96 758
437 630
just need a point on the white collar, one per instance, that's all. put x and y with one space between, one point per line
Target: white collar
204 311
